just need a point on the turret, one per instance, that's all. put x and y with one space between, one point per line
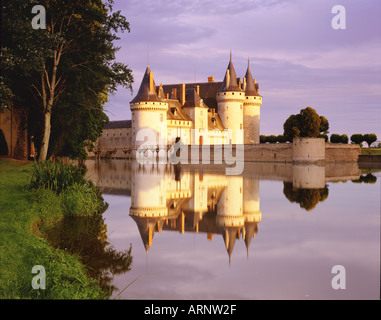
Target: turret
197 111
149 111
230 99
251 109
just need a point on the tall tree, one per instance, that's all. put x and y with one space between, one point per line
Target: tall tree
307 123
77 44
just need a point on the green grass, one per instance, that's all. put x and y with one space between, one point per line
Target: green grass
371 151
21 247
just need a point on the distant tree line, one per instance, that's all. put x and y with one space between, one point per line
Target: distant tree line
357 138
308 123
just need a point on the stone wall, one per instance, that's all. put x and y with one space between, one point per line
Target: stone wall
15 130
305 150
336 152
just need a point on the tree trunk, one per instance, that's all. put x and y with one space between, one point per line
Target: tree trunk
45 137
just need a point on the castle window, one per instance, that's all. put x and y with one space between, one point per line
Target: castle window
224 93
233 93
240 126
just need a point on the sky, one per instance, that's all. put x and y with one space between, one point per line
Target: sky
295 54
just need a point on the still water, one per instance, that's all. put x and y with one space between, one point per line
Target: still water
274 232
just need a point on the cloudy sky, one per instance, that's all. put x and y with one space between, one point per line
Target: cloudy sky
296 56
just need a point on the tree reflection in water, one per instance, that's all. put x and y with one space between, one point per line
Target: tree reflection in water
87 238
307 198
368 178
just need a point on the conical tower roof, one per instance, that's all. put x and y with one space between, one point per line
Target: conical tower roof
230 82
250 89
147 92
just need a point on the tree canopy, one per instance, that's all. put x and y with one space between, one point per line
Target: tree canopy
307 123
369 138
65 72
357 138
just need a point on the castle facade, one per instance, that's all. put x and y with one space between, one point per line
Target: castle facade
207 113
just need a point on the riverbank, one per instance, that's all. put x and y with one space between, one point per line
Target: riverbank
22 246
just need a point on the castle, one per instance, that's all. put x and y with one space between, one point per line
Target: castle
208 113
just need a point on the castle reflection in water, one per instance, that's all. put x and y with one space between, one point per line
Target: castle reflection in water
204 199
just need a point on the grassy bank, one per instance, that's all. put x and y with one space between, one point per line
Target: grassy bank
371 151
21 247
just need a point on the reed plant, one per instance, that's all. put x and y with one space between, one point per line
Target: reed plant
75 195
56 175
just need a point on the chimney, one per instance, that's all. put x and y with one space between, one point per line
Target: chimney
174 93
198 89
211 79
167 95
239 82
182 97
151 87
244 84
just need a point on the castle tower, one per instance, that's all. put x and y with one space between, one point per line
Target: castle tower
251 109
149 111
197 111
230 99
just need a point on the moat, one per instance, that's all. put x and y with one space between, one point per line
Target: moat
273 232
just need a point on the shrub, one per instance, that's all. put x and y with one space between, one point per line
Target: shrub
64 187
335 138
357 138
369 138
281 138
56 176
272 139
81 200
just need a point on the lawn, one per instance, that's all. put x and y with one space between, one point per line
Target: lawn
21 247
